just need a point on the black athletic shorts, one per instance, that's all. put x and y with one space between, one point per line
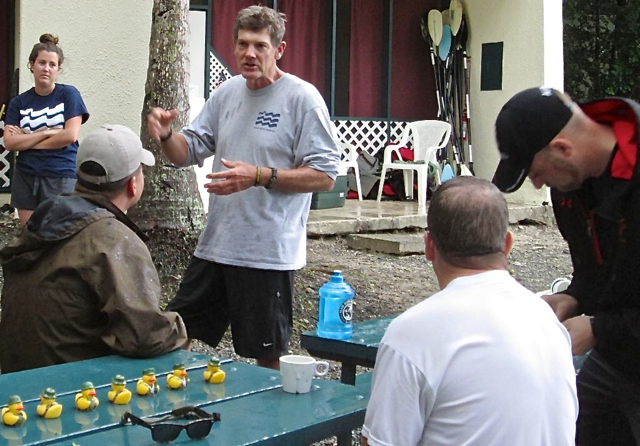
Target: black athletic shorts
256 303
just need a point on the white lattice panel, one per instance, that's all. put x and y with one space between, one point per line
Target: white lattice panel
396 129
5 161
218 73
368 135
5 165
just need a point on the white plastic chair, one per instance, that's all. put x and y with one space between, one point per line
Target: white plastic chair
427 138
349 159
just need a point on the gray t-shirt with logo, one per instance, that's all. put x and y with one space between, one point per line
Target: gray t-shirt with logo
285 125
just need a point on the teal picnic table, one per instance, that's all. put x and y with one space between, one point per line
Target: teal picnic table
360 350
267 418
253 407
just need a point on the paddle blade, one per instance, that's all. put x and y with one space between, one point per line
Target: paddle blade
455 16
424 29
464 171
463 32
434 24
445 43
447 173
445 17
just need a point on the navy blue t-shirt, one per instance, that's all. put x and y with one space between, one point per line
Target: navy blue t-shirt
33 113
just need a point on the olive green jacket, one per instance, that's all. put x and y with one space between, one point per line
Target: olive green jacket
79 283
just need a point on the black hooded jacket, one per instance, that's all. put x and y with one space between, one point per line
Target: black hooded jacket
601 223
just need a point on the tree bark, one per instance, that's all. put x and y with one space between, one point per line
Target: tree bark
171 198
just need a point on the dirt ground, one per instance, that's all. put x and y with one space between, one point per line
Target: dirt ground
385 284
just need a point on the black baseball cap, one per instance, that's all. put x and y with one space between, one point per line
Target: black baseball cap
526 124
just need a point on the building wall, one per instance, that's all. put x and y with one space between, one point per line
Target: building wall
106 49
106 57
532 34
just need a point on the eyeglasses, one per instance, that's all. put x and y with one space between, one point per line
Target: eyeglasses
163 432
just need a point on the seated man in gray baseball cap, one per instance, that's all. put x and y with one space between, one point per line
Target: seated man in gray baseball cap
79 282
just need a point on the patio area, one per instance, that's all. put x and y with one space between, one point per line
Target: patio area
370 216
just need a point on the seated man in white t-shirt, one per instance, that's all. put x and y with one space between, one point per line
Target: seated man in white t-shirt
482 362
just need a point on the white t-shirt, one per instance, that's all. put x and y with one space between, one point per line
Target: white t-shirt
483 362
284 125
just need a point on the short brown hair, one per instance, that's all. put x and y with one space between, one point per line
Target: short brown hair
108 190
468 217
257 18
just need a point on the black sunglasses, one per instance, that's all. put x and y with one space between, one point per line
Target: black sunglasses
164 432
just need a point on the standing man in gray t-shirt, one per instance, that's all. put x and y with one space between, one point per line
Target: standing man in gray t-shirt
274 146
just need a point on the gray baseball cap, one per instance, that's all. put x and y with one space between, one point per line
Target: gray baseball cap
116 149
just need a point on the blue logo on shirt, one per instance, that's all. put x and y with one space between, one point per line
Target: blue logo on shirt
266 119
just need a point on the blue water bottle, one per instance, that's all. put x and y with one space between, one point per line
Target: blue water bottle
335 310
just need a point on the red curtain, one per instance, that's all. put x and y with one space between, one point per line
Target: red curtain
412 80
366 59
308 29
5 41
308 47
224 14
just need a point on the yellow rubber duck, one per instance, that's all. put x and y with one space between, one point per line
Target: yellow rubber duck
13 414
147 385
48 407
178 378
86 399
119 394
213 374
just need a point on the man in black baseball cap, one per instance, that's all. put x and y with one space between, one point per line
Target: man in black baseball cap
588 156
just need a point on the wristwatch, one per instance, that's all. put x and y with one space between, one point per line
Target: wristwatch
272 180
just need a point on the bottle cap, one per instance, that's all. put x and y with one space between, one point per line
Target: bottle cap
560 284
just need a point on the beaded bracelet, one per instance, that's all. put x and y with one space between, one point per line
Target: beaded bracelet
272 180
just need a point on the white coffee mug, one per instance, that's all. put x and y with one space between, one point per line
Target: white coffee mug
298 370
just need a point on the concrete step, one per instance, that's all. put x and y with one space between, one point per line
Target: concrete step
397 244
369 216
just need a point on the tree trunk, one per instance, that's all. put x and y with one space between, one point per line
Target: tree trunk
171 198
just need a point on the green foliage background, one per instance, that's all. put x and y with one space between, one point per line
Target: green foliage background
602 48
